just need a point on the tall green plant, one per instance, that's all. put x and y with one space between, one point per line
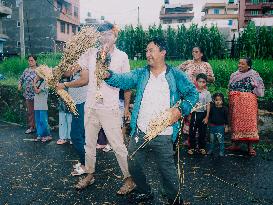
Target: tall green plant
249 40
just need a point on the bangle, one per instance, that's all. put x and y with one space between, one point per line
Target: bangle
180 109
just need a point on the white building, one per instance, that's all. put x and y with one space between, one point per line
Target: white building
224 14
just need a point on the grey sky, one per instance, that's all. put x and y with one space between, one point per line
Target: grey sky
123 11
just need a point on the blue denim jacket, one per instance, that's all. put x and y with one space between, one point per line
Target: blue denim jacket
179 84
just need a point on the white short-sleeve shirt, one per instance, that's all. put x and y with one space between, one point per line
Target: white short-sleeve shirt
119 64
156 99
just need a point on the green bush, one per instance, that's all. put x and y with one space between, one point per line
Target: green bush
14 67
179 41
255 42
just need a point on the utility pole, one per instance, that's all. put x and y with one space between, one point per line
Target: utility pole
138 15
22 29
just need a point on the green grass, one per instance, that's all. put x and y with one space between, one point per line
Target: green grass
12 68
11 81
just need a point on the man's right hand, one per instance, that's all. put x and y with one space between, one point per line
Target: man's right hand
106 75
19 87
60 86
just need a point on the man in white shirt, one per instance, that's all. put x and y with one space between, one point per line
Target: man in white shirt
103 111
158 88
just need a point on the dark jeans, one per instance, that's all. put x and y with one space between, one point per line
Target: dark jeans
77 133
197 124
162 149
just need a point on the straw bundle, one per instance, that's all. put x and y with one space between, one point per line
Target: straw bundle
75 47
161 122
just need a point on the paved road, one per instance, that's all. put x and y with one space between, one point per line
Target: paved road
35 173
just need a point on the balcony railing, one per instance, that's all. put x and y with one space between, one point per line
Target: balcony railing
219 16
176 16
213 5
258 15
259 4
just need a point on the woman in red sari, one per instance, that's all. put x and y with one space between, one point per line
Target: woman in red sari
244 87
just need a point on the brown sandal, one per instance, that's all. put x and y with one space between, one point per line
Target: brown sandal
128 186
83 183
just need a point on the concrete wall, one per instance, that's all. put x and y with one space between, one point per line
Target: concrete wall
221 23
40 27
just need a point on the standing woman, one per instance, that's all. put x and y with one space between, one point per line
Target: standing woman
199 64
244 87
26 82
192 68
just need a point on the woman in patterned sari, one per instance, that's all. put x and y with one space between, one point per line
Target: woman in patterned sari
244 87
198 65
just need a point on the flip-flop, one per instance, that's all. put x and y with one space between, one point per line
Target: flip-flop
46 139
61 142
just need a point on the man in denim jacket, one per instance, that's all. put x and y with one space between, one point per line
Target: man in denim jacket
158 88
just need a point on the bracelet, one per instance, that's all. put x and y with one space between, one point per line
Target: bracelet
180 109
65 85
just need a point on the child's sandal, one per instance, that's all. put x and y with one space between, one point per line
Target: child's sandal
203 151
190 151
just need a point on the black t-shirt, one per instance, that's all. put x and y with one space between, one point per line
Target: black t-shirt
218 115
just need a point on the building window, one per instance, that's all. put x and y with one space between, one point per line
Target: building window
216 11
18 24
62 27
59 6
230 22
181 20
167 21
17 3
254 12
255 1
74 29
67 28
18 44
231 1
76 11
271 12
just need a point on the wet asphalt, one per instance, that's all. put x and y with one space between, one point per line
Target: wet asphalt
39 173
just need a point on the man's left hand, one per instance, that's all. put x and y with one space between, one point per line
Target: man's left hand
175 115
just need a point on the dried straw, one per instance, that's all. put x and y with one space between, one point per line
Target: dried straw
87 38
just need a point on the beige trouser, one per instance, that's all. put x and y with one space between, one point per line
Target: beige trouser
110 121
